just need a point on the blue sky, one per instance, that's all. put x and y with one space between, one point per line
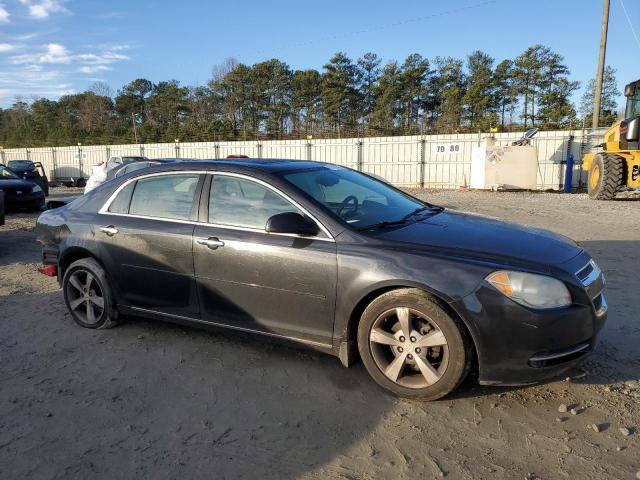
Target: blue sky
52 47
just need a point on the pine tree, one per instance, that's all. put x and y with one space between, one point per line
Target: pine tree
608 100
306 99
414 76
388 100
479 98
368 74
340 94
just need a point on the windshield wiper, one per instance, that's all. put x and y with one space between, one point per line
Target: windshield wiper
388 223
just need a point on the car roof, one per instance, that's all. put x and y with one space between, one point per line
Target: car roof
271 165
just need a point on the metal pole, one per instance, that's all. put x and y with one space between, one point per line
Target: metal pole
603 48
133 121
422 160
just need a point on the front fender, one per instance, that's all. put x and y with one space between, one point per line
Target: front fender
361 279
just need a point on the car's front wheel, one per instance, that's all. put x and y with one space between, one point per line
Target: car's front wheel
88 295
411 346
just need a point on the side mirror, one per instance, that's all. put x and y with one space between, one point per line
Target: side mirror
291 222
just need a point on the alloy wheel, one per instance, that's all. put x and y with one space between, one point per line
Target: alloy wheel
409 348
85 297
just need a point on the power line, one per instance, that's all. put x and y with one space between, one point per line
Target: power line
633 30
382 26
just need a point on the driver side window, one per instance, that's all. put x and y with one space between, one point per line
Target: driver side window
239 202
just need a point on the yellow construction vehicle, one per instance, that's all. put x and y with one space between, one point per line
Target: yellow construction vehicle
618 165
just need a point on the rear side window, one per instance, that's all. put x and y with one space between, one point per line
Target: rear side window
165 196
120 204
243 203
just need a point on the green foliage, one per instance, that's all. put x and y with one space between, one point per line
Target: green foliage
347 98
608 103
479 96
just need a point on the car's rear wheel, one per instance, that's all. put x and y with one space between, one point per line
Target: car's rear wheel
88 295
412 347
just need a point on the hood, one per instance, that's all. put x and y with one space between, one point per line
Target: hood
485 238
11 184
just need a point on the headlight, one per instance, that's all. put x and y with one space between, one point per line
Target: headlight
36 189
530 290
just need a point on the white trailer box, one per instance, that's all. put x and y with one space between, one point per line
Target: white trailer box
509 167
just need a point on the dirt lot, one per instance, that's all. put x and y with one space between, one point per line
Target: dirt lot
152 400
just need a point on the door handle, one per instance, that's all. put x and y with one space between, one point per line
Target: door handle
211 242
110 230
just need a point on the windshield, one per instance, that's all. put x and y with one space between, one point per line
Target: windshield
633 106
19 163
6 173
357 199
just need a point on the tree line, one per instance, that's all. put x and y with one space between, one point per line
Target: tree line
361 97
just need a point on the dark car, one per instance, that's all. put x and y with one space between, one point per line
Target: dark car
334 259
32 171
20 193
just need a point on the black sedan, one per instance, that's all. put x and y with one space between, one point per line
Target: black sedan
20 193
334 259
32 171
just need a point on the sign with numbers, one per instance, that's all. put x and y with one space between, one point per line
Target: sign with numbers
448 149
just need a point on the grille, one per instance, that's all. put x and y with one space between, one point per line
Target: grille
589 273
584 273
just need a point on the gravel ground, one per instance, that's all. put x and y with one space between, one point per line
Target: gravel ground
153 400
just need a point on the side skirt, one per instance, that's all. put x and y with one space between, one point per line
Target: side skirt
196 322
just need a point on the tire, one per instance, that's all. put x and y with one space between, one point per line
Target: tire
429 324
88 296
36 206
606 176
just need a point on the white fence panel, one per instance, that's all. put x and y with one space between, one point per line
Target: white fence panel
238 148
198 151
70 163
44 156
161 150
448 160
292 149
396 159
434 161
341 151
126 150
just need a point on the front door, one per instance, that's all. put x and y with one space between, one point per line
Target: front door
146 239
253 280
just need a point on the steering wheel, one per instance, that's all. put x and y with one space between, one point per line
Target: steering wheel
345 202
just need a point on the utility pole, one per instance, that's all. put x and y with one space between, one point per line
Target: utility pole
603 49
135 132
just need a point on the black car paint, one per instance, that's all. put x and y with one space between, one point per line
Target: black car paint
18 194
31 171
313 291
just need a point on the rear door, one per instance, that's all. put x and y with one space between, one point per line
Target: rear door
145 235
252 280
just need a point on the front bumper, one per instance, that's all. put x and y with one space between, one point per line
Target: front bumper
24 200
519 346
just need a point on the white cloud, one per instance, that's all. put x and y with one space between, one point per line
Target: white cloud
43 8
4 15
29 82
94 68
48 70
53 53
102 58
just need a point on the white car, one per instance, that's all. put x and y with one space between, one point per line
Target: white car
100 173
